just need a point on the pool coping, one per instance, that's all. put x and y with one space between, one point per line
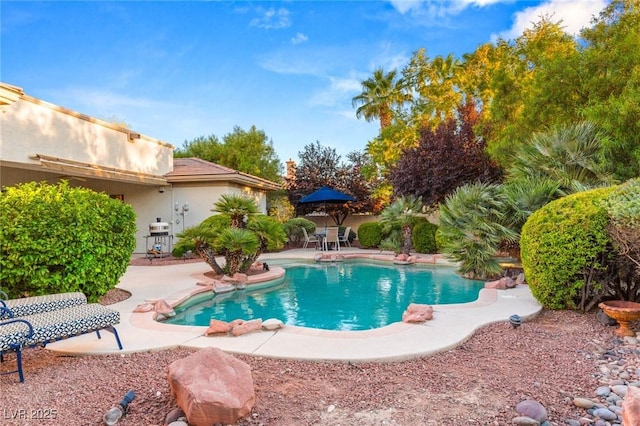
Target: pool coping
451 325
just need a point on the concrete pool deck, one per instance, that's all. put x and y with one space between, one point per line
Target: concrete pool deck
450 326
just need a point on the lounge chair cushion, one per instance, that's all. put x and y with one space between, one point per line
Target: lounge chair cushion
38 304
58 324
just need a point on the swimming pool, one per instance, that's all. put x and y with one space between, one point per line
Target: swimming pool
349 295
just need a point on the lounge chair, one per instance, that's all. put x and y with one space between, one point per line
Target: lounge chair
40 329
15 308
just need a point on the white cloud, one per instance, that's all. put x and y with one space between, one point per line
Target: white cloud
339 89
272 19
299 38
574 15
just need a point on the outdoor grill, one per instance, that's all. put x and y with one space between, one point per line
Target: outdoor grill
158 228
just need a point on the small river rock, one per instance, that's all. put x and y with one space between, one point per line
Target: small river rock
619 368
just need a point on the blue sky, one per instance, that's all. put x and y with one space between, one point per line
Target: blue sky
179 70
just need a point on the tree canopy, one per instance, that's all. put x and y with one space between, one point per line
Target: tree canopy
249 152
542 80
322 166
445 158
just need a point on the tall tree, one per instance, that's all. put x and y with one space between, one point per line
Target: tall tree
445 158
535 87
380 93
322 166
249 152
435 84
611 77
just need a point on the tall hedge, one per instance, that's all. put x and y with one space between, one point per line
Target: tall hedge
54 238
562 248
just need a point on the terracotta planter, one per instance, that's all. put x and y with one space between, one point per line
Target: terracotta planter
624 312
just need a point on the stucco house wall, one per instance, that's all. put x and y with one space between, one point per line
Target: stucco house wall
40 141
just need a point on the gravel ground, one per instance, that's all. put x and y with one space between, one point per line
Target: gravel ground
551 359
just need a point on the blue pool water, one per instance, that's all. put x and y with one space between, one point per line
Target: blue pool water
350 295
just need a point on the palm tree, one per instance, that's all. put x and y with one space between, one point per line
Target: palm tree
471 227
402 214
567 154
237 208
380 93
237 232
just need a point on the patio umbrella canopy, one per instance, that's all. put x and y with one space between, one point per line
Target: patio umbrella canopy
326 195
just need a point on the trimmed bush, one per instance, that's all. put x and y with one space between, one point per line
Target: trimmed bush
423 237
293 228
563 246
370 234
57 239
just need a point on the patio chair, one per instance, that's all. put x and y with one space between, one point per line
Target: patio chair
40 329
331 238
309 239
344 238
15 308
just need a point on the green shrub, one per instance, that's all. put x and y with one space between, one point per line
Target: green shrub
293 228
58 239
423 237
180 249
370 234
563 245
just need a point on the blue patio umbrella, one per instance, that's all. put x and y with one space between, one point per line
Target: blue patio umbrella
326 195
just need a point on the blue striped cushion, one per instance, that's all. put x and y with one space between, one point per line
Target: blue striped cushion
38 304
58 324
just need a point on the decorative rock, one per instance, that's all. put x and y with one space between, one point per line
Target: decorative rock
503 283
605 319
631 407
240 278
417 313
620 390
603 391
520 279
272 324
212 387
143 307
571 422
533 409
217 327
605 414
173 416
162 310
246 327
583 403
178 423
524 421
